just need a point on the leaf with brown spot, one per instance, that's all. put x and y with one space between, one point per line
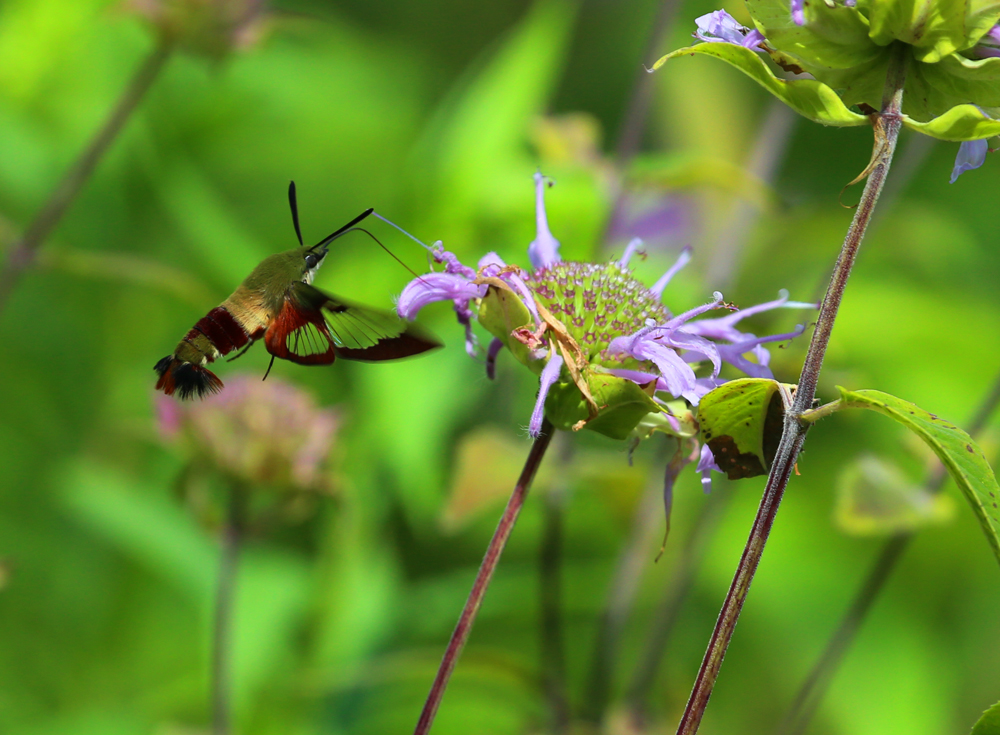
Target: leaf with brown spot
958 452
741 421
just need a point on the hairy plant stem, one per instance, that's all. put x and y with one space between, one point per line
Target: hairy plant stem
811 693
483 577
550 594
232 538
21 254
887 124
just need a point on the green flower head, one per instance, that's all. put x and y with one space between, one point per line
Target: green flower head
948 49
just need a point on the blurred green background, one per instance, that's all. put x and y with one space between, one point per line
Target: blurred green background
438 113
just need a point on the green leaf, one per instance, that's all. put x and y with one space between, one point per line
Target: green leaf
874 497
678 171
964 122
807 97
933 89
935 28
501 312
989 723
622 405
833 37
741 421
957 450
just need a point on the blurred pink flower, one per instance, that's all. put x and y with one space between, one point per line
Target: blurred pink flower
262 432
209 27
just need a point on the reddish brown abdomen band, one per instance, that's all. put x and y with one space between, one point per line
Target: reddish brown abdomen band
222 330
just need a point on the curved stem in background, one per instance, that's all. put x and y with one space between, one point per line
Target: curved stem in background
668 611
618 603
887 124
634 119
483 577
550 593
21 254
232 537
809 696
768 152
637 111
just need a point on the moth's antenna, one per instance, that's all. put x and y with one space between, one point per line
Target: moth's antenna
334 235
393 224
394 257
295 210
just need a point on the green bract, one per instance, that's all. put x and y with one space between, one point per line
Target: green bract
947 94
741 421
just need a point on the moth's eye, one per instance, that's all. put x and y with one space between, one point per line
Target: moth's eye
311 260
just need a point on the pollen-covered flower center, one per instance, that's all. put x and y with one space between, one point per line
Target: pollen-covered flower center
597 302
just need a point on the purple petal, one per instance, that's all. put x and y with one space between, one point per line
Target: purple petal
723 327
677 375
734 353
691 313
550 374
682 340
451 263
682 260
630 249
720 27
491 358
971 154
798 12
993 34
544 249
432 287
491 264
706 463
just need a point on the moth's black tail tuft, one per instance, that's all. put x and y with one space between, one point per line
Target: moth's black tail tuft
185 379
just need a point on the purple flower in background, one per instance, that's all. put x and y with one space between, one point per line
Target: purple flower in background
989 45
263 433
720 27
971 154
585 326
797 9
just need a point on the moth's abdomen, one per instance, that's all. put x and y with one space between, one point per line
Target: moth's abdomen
221 329
184 373
185 379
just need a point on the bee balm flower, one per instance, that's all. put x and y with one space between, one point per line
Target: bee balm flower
610 355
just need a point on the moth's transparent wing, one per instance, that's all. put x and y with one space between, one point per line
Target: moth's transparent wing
362 333
300 334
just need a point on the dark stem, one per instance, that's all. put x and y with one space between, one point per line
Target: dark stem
618 604
550 592
483 577
887 125
232 537
21 254
668 611
809 696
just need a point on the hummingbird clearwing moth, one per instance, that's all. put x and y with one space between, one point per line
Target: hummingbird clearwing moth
298 322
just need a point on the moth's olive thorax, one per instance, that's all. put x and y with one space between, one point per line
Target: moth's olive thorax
271 279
